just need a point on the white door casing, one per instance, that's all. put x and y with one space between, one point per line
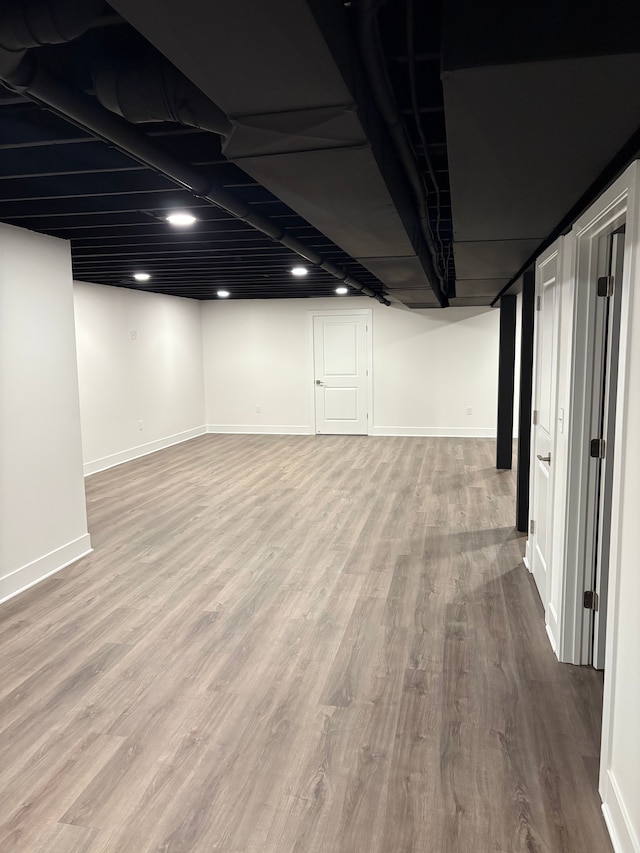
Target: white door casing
582 486
605 497
341 372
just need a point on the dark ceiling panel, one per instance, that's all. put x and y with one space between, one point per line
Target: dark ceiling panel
304 123
330 186
491 259
225 34
484 288
496 32
525 141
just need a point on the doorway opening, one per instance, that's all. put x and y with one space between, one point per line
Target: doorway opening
606 345
597 319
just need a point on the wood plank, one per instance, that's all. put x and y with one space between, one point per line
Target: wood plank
296 644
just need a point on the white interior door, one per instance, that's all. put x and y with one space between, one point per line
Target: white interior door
543 430
340 373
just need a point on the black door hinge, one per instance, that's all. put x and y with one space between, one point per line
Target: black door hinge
597 448
590 600
605 286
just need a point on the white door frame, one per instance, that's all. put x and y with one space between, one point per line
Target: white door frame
617 820
341 312
609 212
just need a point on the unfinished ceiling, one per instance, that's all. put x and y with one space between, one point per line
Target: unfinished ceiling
421 160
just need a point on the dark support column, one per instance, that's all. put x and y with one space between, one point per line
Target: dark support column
526 395
504 448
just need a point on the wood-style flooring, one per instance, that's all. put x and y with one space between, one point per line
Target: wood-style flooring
296 644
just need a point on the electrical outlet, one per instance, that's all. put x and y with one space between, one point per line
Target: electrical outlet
469 410
258 409
134 334
140 425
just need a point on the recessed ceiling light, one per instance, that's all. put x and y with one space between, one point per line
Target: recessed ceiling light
342 290
181 218
299 271
223 294
141 276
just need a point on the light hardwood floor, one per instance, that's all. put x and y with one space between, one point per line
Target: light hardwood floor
296 645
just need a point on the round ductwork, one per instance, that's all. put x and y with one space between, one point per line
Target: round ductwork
31 23
150 89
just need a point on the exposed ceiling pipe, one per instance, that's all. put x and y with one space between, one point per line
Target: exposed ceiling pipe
35 82
368 40
32 23
149 88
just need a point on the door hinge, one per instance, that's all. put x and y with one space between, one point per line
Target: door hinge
532 527
535 417
538 303
590 600
597 448
605 285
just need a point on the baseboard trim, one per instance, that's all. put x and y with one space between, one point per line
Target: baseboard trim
616 817
141 450
305 429
27 576
260 429
436 432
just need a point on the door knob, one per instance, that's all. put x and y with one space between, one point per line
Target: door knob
319 382
545 458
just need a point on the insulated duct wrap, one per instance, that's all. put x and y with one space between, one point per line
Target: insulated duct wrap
150 89
31 23
37 83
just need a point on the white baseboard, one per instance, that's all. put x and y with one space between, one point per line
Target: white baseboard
27 576
260 429
623 836
436 432
141 450
305 429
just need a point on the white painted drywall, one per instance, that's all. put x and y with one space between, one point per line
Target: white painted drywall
140 370
428 367
620 770
620 761
43 523
624 755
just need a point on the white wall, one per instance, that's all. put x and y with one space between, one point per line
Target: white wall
623 771
140 371
620 770
620 758
428 367
43 523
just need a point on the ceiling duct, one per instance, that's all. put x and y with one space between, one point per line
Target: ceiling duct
36 82
150 89
33 23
